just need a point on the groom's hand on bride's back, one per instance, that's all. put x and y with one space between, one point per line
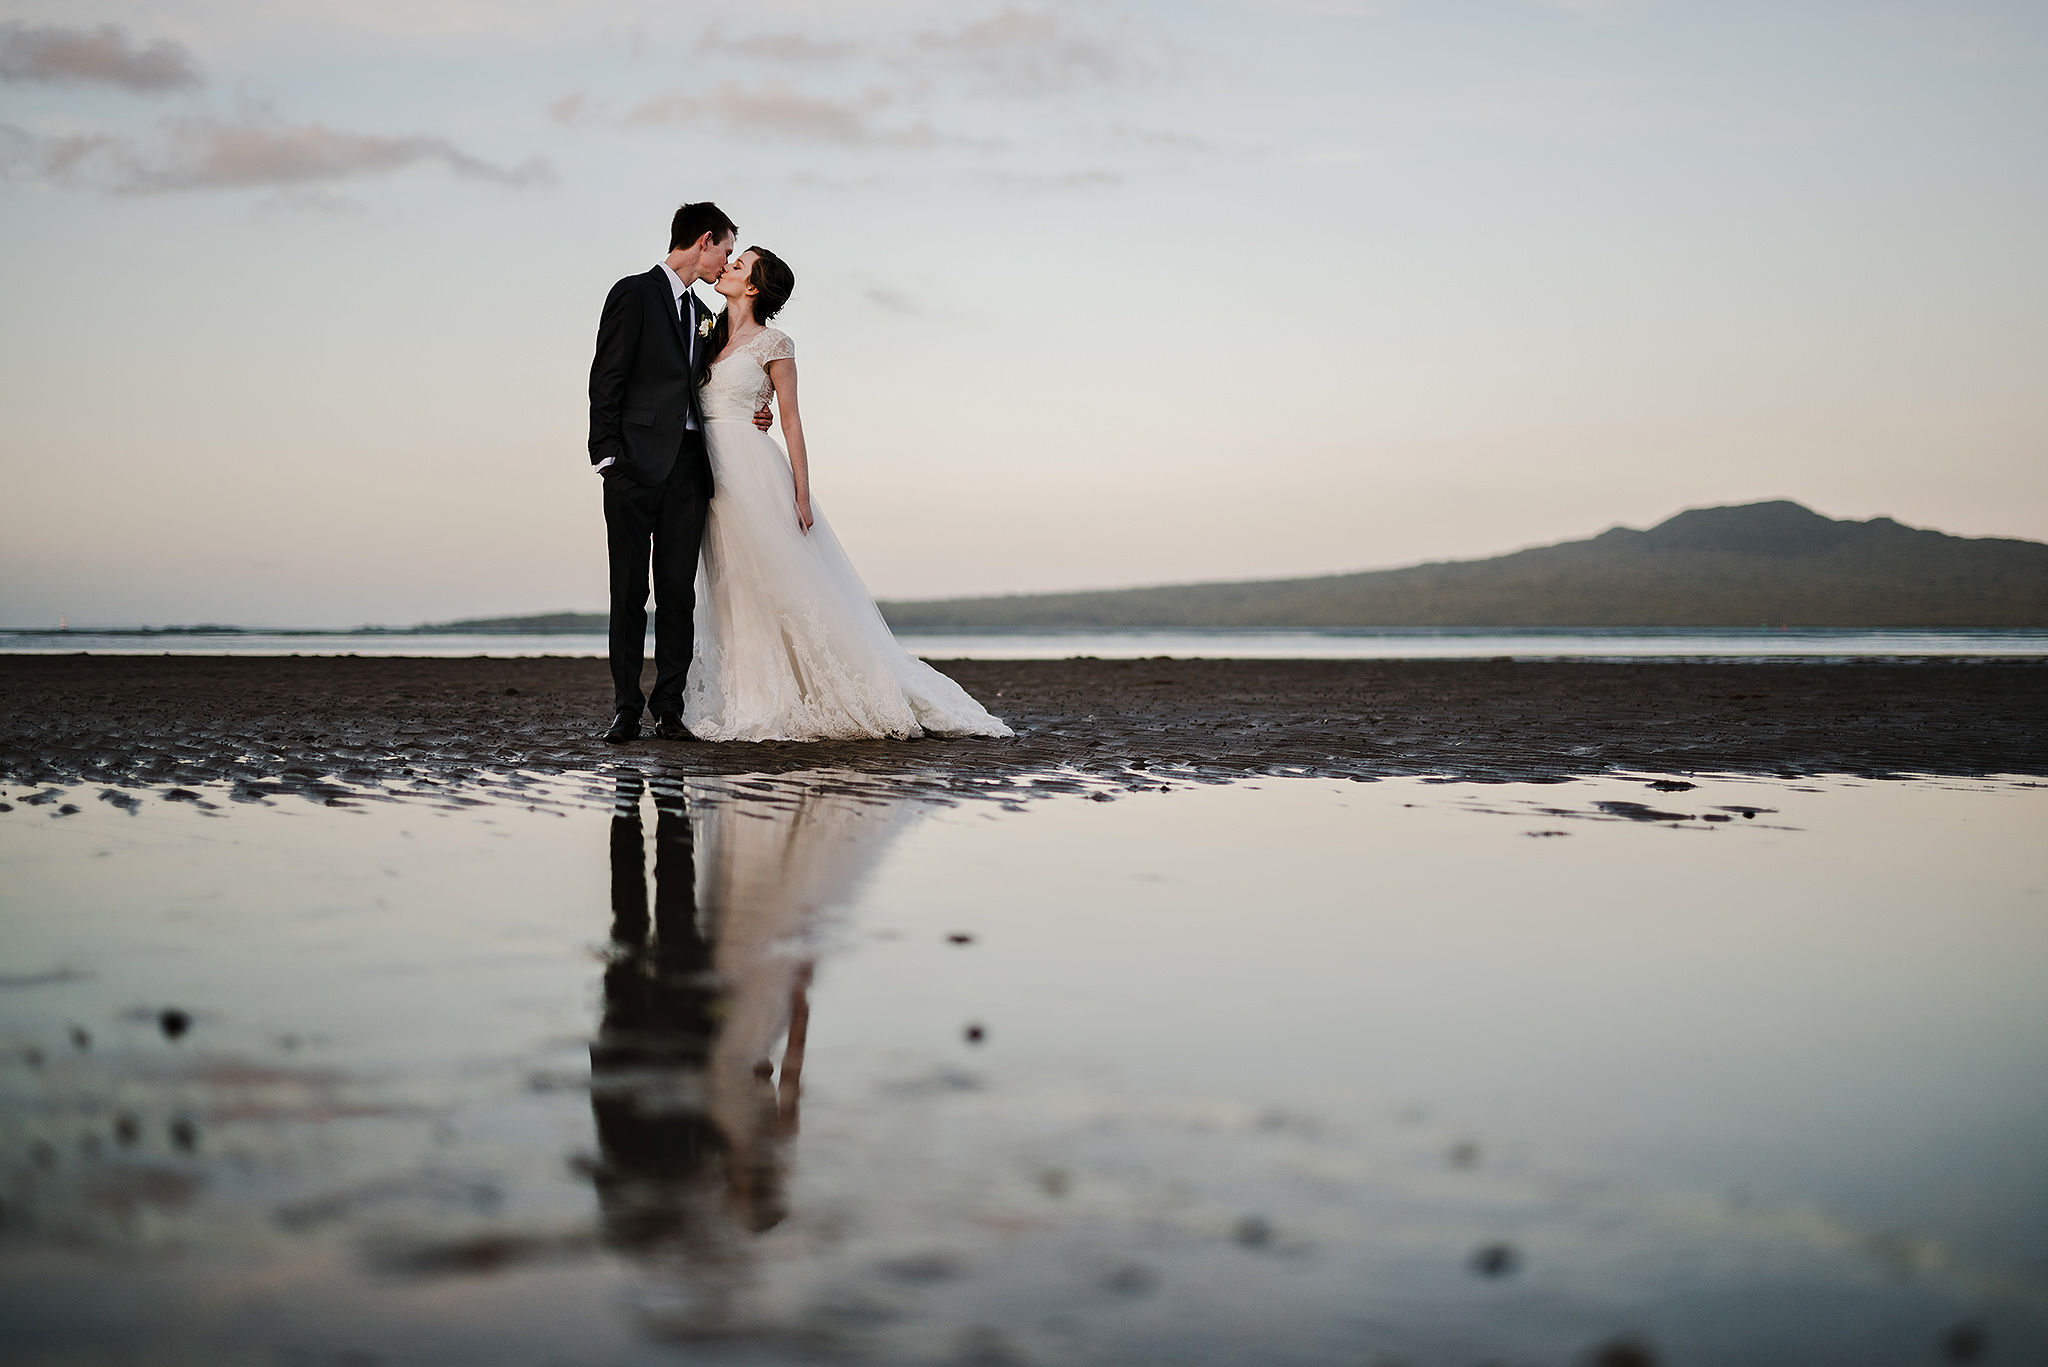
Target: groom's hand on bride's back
765 418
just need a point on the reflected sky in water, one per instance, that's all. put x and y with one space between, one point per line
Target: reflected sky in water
629 1068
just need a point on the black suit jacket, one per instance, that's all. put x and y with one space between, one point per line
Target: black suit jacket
641 385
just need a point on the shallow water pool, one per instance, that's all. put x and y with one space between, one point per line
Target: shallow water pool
621 1068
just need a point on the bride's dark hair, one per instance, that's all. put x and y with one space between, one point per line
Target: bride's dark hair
776 281
773 283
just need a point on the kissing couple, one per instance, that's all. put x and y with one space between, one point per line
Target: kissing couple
762 627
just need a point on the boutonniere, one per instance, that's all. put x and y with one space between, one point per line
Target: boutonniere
704 328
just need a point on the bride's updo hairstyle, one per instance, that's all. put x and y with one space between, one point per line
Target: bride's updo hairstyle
775 281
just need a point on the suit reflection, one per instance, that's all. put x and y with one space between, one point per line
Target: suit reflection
694 1116
687 1110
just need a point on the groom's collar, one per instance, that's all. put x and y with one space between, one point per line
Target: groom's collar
676 284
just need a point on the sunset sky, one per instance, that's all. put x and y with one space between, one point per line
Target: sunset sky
298 298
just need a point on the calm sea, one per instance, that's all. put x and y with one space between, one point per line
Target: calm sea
1393 643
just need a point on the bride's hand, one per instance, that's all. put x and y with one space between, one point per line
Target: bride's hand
803 513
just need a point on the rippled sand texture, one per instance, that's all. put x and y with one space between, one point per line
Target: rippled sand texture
336 727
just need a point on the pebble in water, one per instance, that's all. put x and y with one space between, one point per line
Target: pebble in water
1253 1231
1636 811
1964 1343
1623 1353
1495 1260
1132 1279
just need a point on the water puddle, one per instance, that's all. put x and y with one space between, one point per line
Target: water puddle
621 1068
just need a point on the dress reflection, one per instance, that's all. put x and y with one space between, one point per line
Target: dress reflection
695 1115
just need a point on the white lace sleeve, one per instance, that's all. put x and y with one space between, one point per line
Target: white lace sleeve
776 346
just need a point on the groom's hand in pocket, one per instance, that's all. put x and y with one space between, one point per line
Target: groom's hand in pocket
765 418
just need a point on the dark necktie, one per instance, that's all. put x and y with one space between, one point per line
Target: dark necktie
686 312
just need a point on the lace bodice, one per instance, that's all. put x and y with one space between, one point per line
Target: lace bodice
738 385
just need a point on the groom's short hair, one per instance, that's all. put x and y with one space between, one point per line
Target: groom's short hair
692 221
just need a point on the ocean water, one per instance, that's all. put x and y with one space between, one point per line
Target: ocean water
614 1068
1393 643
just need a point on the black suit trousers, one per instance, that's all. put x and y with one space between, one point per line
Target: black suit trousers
660 525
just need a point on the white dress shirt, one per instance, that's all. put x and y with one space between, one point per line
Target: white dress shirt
680 287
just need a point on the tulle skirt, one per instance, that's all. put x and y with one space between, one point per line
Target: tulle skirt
789 644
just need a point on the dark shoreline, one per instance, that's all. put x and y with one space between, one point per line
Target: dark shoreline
331 726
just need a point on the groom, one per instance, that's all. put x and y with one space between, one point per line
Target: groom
647 441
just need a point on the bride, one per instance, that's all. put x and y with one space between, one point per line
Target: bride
789 644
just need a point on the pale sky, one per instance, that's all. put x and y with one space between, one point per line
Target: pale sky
298 299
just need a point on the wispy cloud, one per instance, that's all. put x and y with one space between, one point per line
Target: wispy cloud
1337 9
1018 51
815 180
1328 156
773 109
776 111
1058 180
911 97
105 55
774 47
212 154
892 301
1165 140
24 154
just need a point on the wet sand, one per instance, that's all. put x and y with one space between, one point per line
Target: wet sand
327 726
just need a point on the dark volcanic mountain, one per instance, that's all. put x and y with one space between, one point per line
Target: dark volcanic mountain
1757 564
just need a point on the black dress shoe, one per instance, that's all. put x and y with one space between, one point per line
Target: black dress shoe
669 726
625 727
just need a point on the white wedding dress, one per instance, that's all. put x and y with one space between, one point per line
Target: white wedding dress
789 644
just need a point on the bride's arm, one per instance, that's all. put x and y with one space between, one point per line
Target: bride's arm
782 374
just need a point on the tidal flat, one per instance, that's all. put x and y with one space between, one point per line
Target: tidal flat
337 727
1078 1065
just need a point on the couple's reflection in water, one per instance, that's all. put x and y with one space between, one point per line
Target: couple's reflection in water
695 1113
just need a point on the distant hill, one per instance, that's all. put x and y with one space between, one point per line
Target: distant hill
546 624
1756 564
